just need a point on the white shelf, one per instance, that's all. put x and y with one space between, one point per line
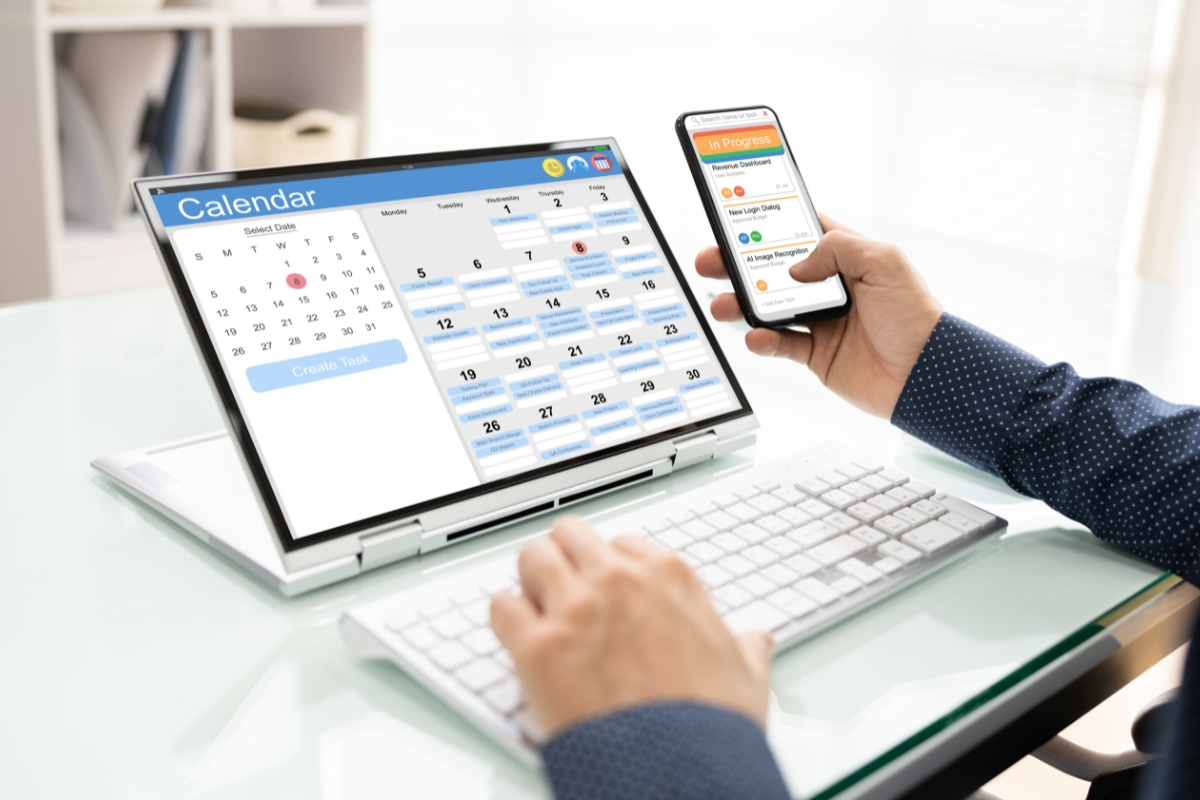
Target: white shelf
193 18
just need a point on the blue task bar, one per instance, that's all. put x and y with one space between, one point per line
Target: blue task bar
683 337
511 218
642 272
637 257
473 386
610 427
631 349
565 450
615 213
432 283
604 223
295 371
497 438
436 311
587 259
691 387
551 424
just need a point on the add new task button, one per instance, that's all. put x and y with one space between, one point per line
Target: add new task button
295 371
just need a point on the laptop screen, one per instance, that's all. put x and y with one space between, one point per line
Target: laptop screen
415 330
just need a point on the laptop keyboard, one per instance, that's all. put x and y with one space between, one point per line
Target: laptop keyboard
789 548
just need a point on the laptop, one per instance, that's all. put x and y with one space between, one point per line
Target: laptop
412 351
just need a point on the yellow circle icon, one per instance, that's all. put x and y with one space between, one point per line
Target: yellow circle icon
761 286
553 167
726 193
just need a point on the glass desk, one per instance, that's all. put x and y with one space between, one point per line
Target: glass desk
139 663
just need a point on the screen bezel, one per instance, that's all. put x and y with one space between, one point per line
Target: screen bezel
728 253
240 431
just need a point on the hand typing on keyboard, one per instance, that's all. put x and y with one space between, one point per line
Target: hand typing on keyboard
865 356
603 626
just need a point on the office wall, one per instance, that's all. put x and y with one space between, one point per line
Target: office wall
1000 143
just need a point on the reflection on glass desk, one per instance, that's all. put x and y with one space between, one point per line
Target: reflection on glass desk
145 665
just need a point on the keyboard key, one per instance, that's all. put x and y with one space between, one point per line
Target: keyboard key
911 516
757 616
481 642
887 565
690 560
766 503
528 725
789 496
767 485
876 482
702 509
792 603
746 492
839 499
846 585
744 512
704 552
697 529
723 499
884 503
756 585
928 508
782 545
869 536
893 525
713 576
479 612
795 517
680 517
851 470
932 537
780 575
815 590
435 608
899 551
402 619
464 597
802 564
719 607
451 625
421 636
505 696
966 509
860 490
959 523
813 534
865 512
480 674
902 496
754 534
729 542
657 525
833 478
868 465
722 521
836 550
813 486
504 659
674 539
921 490
859 571
737 565
814 508
450 655
498 585
732 595
760 555
895 476
843 522
772 525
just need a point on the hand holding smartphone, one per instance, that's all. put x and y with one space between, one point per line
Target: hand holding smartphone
761 214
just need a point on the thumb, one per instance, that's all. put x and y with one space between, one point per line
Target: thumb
757 648
838 251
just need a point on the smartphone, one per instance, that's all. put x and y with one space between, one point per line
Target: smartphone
761 214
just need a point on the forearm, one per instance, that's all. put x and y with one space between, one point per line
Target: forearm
1102 451
662 752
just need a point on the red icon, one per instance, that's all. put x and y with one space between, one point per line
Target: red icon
739 191
579 247
296 281
601 162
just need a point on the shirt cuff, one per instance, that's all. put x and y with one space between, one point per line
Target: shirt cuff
962 395
661 751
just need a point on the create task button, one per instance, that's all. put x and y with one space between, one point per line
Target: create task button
295 371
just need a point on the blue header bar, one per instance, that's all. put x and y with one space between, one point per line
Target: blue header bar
231 203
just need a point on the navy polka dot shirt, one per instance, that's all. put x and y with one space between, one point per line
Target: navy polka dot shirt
1102 451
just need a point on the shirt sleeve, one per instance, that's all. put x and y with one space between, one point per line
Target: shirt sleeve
1102 451
664 751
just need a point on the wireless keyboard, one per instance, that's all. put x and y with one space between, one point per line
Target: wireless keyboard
790 547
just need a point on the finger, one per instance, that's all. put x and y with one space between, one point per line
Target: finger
578 541
512 617
710 264
757 648
639 548
793 345
831 224
837 251
725 308
546 573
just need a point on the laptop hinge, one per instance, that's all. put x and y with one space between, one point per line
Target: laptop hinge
391 545
695 449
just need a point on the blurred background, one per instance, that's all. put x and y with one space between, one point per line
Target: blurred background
1038 161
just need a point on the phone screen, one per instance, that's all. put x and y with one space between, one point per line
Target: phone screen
765 212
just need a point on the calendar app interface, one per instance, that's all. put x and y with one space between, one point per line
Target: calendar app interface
398 336
765 213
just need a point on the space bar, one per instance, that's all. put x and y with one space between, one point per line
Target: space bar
757 616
